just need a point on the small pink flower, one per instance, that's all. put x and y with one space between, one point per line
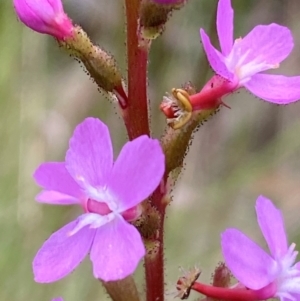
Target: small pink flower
58 299
45 16
238 65
241 62
269 275
108 192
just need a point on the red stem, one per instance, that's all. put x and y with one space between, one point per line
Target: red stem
137 123
154 265
136 113
154 269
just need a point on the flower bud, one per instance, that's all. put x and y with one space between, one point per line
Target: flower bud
45 16
154 14
221 276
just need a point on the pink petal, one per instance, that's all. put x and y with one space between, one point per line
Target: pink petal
44 16
225 26
275 88
137 171
250 264
90 156
214 57
33 12
116 251
55 198
56 5
270 44
61 253
54 176
94 221
58 299
272 226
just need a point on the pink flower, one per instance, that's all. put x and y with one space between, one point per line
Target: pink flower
109 194
58 299
45 16
269 275
241 62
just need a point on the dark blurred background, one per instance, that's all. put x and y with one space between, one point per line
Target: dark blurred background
252 149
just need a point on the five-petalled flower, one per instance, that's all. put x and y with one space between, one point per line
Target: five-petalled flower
45 16
241 62
270 275
109 193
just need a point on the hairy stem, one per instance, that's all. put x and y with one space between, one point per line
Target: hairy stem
154 266
137 123
136 113
154 259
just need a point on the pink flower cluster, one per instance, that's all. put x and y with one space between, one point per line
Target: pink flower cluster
110 192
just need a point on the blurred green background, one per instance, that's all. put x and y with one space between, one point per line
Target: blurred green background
252 149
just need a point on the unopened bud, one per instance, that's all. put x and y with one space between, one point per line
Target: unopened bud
154 14
221 276
45 16
101 66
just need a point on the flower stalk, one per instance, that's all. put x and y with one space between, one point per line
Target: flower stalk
154 265
137 123
136 113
